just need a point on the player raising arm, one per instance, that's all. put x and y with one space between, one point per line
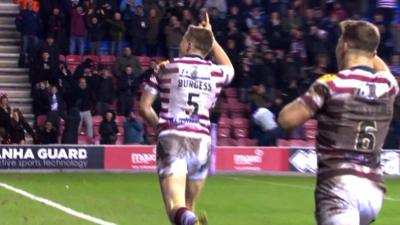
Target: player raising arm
354 109
188 87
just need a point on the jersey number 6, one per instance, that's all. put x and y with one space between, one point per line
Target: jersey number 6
366 135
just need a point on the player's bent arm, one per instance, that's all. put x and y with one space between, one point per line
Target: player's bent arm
380 65
293 115
221 58
146 109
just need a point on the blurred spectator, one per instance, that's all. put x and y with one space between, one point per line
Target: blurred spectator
18 128
130 4
395 65
29 24
396 36
41 96
48 134
256 19
84 104
78 30
133 130
153 23
233 54
57 28
116 33
94 35
268 131
83 69
188 18
5 119
174 33
217 23
339 11
387 8
105 92
44 69
217 4
49 46
276 36
127 59
67 85
108 129
57 107
72 120
24 4
292 21
127 86
385 46
138 28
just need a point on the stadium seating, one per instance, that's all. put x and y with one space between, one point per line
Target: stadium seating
224 122
240 123
107 60
72 68
283 143
97 120
73 59
231 92
224 132
241 132
94 58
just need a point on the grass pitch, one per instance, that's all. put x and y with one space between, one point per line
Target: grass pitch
134 199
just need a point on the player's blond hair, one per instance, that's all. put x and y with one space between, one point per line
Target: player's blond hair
200 38
360 35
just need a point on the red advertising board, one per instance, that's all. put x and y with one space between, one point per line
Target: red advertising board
251 159
141 158
229 159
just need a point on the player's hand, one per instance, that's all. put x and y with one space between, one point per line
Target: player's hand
206 22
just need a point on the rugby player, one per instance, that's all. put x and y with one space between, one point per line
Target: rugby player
188 87
354 109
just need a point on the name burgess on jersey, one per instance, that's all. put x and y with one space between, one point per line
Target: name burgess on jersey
194 84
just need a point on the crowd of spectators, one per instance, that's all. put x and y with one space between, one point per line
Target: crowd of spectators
278 48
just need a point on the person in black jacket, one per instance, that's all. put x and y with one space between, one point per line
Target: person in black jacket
70 135
108 128
94 34
49 45
105 92
84 104
56 106
29 24
127 86
44 69
18 127
48 134
5 119
138 29
41 97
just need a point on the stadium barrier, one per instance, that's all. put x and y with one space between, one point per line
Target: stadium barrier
141 158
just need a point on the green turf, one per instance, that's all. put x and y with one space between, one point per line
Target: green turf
134 199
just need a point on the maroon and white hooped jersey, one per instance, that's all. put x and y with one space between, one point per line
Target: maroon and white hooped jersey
354 109
188 88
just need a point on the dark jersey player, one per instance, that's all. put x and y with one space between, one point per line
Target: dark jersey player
354 109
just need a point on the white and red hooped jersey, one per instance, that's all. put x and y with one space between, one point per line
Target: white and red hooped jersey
188 88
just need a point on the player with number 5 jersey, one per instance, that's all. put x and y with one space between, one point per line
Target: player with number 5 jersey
188 88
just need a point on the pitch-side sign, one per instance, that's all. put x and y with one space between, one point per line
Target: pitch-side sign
51 157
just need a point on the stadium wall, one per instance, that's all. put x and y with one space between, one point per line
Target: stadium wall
138 158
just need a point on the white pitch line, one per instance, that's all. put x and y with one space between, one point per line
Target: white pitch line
293 186
56 205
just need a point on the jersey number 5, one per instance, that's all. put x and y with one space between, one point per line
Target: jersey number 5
366 135
192 102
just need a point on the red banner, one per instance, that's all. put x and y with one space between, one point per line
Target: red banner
230 159
141 158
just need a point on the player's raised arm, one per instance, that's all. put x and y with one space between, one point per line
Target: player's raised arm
221 58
